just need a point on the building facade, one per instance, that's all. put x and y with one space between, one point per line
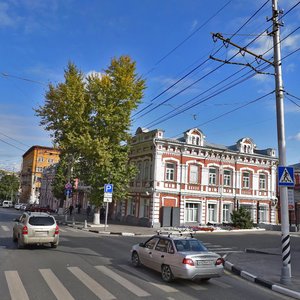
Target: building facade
188 181
295 211
35 160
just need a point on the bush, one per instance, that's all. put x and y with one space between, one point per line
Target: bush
241 218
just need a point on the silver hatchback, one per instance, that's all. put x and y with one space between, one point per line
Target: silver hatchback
178 257
36 228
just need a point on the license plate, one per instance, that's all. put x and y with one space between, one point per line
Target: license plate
203 262
41 233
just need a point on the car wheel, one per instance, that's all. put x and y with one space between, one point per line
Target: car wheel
166 273
54 245
135 260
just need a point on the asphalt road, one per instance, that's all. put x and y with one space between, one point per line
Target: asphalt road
90 266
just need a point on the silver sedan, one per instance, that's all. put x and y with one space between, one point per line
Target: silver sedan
178 257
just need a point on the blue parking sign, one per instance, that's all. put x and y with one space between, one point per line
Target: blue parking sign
108 188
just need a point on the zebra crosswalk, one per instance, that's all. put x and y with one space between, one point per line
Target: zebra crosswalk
140 285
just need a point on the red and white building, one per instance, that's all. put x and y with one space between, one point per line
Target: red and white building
202 182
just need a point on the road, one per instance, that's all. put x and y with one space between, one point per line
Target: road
90 266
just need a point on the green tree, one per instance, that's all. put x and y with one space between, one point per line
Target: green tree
9 186
241 218
89 119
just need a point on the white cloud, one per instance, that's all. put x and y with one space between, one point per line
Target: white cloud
194 25
6 20
94 74
295 137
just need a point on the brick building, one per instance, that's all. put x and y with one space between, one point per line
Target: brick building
188 181
35 160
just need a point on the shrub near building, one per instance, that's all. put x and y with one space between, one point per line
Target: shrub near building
241 219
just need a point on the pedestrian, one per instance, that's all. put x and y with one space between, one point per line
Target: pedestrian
88 210
102 213
78 208
71 209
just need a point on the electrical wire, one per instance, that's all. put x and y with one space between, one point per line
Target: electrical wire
204 76
12 145
153 122
187 38
14 139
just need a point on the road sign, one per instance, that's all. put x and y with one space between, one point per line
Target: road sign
108 188
68 186
285 176
107 195
107 199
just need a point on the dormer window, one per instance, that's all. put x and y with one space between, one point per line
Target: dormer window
246 145
194 136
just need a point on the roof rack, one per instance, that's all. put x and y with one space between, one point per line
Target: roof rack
167 233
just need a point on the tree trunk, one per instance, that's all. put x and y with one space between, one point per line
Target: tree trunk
96 216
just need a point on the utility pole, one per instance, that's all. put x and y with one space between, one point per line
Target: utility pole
285 236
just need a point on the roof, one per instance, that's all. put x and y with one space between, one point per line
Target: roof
39 147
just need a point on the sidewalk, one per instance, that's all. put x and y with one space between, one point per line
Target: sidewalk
260 266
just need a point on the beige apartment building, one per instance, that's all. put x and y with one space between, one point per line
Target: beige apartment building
35 160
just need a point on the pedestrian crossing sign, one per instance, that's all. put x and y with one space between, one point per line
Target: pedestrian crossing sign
285 176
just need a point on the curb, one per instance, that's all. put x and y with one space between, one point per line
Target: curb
265 283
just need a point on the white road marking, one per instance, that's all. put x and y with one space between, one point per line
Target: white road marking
5 228
221 284
15 286
93 285
163 287
122 281
196 286
58 289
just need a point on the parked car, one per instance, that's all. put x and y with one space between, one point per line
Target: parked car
36 228
18 206
178 257
7 203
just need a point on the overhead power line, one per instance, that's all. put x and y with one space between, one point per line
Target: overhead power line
188 37
158 105
12 145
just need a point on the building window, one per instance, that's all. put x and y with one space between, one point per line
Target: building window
50 160
40 159
212 213
139 171
146 171
226 213
227 178
194 174
212 179
170 172
39 169
246 180
263 214
262 181
191 212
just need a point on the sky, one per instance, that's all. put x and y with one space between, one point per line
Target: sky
172 44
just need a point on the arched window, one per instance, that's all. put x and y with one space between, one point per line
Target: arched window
170 171
262 181
227 178
212 176
246 180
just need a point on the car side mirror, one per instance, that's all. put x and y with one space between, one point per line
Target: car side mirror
142 245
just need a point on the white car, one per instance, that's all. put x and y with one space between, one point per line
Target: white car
7 203
178 257
36 228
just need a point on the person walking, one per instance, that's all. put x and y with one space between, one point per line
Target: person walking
71 209
88 210
78 208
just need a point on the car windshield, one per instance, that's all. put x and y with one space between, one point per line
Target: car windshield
189 245
41 221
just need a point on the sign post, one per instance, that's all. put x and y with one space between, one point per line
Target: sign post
108 192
